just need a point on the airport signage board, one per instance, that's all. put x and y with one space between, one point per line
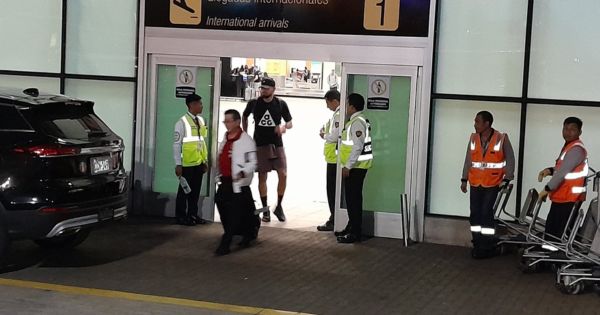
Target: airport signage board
349 17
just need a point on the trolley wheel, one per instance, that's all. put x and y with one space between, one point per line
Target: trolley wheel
526 268
566 287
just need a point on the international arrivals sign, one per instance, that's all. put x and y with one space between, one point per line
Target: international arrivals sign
350 17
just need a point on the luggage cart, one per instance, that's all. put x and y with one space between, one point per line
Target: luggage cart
515 227
583 245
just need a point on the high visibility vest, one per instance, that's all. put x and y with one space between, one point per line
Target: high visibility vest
487 170
330 149
365 160
573 187
194 151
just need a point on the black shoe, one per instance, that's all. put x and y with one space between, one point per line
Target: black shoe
266 217
245 243
342 232
326 227
348 239
222 250
279 213
180 221
198 220
189 222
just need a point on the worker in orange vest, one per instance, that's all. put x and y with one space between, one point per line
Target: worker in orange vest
567 186
489 163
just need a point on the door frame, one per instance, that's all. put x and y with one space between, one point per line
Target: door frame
148 122
388 224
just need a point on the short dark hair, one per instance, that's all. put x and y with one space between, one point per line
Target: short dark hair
234 113
357 101
486 116
192 98
332 95
573 120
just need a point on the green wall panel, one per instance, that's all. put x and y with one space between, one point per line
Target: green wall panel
169 110
389 130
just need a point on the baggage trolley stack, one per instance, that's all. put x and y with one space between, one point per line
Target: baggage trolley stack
583 246
516 227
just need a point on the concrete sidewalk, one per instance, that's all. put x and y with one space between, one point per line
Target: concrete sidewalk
296 271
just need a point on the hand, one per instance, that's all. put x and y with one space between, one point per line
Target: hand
280 130
178 170
543 173
542 195
240 175
463 187
345 172
322 134
203 168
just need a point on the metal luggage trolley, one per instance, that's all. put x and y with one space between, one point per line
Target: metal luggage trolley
546 247
583 246
515 227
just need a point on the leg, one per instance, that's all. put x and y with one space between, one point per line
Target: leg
354 185
488 225
180 206
475 202
280 165
195 181
331 172
262 190
557 220
225 206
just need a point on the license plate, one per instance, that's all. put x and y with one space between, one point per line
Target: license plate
105 214
100 165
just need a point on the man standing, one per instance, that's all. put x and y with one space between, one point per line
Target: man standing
330 133
356 156
268 110
567 186
237 163
191 156
332 80
489 162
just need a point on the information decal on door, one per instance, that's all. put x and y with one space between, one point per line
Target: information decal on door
348 17
185 12
379 93
382 15
185 83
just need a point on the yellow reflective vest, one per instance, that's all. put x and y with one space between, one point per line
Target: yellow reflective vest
330 149
194 151
365 160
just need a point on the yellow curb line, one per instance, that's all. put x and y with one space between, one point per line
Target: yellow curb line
141 297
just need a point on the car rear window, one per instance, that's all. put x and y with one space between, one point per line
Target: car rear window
11 119
67 121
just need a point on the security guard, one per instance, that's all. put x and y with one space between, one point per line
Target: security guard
489 162
567 186
191 157
356 156
330 133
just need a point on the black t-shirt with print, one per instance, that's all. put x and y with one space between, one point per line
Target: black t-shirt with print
266 117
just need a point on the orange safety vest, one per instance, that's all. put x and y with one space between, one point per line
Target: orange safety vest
487 170
573 187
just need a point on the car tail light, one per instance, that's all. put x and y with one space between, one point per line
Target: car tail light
48 150
115 157
52 210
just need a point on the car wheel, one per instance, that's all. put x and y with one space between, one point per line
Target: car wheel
65 241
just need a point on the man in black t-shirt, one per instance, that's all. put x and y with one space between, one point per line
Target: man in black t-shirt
268 112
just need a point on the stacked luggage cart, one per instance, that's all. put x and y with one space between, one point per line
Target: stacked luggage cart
574 255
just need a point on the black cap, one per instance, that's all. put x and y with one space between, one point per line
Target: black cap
192 98
267 82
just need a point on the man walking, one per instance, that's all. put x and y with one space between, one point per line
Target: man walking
268 111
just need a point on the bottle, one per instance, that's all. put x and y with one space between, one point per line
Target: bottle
184 185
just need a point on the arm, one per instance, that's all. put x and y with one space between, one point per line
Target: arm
247 111
177 146
333 136
250 160
466 166
509 157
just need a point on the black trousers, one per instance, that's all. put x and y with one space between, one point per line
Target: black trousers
557 219
331 172
186 205
354 199
236 212
482 215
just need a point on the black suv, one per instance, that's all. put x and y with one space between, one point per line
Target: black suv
61 169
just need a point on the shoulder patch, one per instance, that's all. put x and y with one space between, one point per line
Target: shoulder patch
177 136
337 124
359 133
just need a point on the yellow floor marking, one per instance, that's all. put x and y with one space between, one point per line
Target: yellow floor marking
142 297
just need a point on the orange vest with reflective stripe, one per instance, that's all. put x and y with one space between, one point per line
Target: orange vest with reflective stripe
573 187
487 170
